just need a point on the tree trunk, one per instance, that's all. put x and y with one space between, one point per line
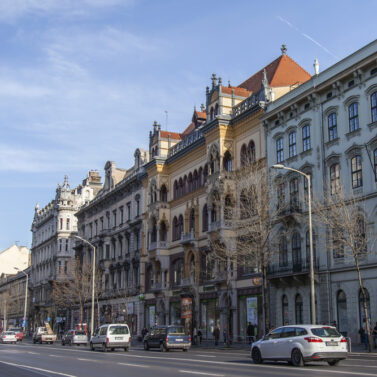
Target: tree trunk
365 304
266 299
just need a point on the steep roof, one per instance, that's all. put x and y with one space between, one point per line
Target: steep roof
283 71
189 129
237 91
173 135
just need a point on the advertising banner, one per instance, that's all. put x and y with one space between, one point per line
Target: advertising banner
186 305
252 310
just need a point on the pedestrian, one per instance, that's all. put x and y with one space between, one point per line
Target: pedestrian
375 336
200 336
250 332
224 336
216 334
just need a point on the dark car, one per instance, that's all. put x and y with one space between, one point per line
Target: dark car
167 337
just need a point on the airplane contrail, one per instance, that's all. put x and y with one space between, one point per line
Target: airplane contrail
306 36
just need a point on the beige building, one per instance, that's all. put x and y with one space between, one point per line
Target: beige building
13 258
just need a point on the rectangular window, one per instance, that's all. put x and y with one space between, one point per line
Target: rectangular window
353 114
356 170
68 224
136 241
96 227
107 256
293 190
333 132
306 137
334 178
90 230
279 150
60 267
292 144
120 247
66 244
375 163
114 218
121 215
60 245
61 224
65 267
306 196
101 220
108 219
137 207
128 211
373 103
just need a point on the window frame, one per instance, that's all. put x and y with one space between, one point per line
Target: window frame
373 106
353 117
334 171
292 144
356 171
306 138
332 123
280 149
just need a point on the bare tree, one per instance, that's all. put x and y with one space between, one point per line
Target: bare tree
346 219
76 286
250 209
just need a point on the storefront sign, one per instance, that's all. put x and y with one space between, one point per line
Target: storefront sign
252 310
186 305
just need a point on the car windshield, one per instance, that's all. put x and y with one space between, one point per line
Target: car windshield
15 330
8 333
325 332
118 330
79 332
177 330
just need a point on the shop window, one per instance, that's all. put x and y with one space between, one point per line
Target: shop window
361 306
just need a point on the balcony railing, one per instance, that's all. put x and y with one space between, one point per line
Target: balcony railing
299 267
187 237
188 140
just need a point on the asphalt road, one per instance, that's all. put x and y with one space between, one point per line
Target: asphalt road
32 360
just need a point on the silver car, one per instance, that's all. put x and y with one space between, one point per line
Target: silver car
298 344
74 337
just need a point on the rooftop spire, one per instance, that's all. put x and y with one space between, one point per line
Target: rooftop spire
283 49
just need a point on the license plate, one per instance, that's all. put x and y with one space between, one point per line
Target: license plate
179 340
118 338
331 343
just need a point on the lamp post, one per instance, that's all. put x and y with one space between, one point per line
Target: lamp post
93 280
26 292
312 289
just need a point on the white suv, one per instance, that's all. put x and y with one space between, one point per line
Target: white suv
300 343
109 337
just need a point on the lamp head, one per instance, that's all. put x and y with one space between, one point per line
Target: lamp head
278 166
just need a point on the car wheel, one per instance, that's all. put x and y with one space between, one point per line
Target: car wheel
256 356
185 350
126 349
112 349
333 363
104 348
146 346
296 358
162 347
91 346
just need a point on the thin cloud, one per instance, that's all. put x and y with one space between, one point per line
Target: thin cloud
306 36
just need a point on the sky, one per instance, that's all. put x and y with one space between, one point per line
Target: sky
82 81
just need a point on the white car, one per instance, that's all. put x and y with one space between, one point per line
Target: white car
298 344
8 337
109 337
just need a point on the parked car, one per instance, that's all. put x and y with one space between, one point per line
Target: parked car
74 337
301 343
19 333
43 335
8 337
167 337
111 336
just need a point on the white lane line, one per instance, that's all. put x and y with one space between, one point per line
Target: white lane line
201 373
55 356
134 365
87 360
38 369
33 353
204 355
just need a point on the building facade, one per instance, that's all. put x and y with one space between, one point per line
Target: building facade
325 128
52 247
14 257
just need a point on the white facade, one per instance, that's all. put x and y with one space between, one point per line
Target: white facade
52 247
14 258
327 127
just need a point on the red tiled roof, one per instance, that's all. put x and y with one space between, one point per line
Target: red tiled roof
283 71
201 114
189 129
173 135
237 91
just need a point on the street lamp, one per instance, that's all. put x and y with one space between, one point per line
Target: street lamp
26 291
312 289
93 280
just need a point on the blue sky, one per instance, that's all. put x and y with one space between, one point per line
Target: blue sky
81 81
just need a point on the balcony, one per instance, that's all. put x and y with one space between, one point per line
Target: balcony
214 226
188 237
276 271
158 245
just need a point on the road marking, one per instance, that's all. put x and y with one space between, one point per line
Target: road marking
33 353
55 356
204 355
134 365
87 360
201 373
38 369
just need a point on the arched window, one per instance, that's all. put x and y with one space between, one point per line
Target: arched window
353 116
228 208
200 182
341 309
227 161
332 125
307 244
185 186
205 218
175 229
251 151
283 253
299 317
192 268
243 155
190 183
213 214
181 228
154 231
373 105
361 306
216 109
296 251
284 310
163 232
163 194
180 191
192 220
211 113
205 174
176 190
178 272
195 180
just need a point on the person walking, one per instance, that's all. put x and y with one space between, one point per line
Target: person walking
250 332
216 334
